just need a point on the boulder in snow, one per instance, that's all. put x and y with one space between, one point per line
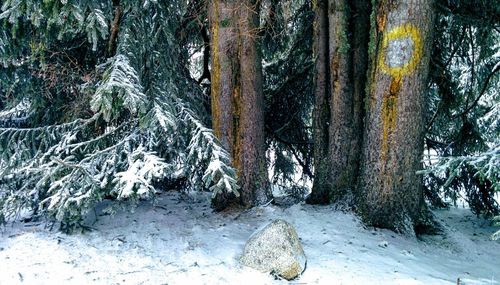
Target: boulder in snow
277 249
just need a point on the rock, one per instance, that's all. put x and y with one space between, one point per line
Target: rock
276 249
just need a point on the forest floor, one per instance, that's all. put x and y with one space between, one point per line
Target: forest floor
180 240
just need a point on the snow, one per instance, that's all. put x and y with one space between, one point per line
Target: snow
17 110
143 168
180 240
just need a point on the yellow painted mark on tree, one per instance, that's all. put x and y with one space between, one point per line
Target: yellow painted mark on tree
390 100
401 32
389 112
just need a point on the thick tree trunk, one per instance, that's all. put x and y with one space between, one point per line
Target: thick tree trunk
236 93
223 79
390 191
322 184
341 43
341 102
225 70
345 105
360 27
250 157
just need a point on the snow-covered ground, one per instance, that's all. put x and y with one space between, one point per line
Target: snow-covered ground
179 240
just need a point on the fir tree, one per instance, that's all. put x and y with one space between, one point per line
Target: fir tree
83 123
463 118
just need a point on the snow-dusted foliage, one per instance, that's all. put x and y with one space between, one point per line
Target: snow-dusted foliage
474 178
486 164
496 222
120 85
219 175
139 127
143 168
463 122
67 16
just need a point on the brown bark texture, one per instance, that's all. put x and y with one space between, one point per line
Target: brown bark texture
224 55
360 27
390 191
236 94
254 182
115 28
322 184
341 44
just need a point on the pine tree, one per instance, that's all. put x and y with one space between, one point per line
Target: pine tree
93 115
237 96
100 100
463 129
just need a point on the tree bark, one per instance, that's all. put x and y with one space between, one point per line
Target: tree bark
251 156
341 102
341 43
390 191
322 181
360 28
115 28
236 94
225 69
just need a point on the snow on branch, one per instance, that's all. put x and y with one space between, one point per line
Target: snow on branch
486 165
219 176
143 131
120 85
143 168
96 24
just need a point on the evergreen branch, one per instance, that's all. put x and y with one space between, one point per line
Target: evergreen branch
481 93
69 125
75 166
456 48
285 141
289 144
76 146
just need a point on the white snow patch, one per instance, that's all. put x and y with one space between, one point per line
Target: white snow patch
180 240
21 108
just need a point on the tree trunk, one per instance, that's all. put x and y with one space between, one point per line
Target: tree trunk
341 102
390 191
225 70
251 156
341 43
115 28
322 184
236 93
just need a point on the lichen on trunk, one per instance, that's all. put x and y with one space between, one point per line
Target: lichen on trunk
236 92
390 191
